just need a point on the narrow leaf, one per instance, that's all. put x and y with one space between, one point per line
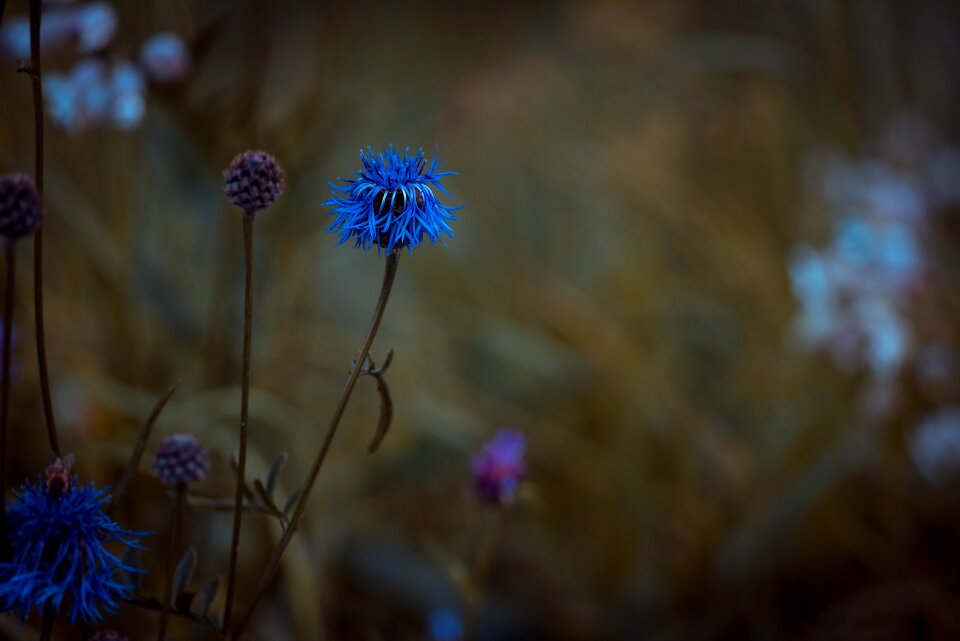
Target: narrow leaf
205 597
184 571
265 497
274 472
291 502
386 412
139 448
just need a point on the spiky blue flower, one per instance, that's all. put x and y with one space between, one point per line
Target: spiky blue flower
391 202
59 556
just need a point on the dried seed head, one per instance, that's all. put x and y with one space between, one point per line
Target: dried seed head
20 211
253 181
181 459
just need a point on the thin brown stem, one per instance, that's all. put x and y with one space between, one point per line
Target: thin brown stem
5 374
473 586
390 272
244 405
36 74
168 595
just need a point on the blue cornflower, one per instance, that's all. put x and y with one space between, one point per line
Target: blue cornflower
57 534
391 201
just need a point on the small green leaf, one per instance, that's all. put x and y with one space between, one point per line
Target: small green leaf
274 472
184 572
265 498
205 597
291 502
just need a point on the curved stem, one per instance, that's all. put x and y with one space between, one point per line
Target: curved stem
390 272
5 373
36 76
244 404
168 596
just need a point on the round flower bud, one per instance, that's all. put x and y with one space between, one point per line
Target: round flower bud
108 635
20 211
253 181
499 468
181 459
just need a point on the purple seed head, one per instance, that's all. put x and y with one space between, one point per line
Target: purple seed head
181 459
253 181
20 211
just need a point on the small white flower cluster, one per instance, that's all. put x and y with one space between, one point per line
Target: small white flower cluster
97 91
866 296
857 292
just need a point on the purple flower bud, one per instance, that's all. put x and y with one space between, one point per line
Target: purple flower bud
181 459
108 635
499 468
95 24
20 211
253 181
165 57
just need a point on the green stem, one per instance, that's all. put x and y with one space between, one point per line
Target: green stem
390 272
244 406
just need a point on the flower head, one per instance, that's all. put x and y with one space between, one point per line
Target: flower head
181 459
20 211
253 181
391 202
499 468
59 556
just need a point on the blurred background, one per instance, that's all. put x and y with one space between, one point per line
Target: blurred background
707 264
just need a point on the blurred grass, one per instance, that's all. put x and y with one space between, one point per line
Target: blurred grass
633 180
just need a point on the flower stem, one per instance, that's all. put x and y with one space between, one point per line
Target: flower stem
473 588
36 76
168 596
390 272
5 384
244 404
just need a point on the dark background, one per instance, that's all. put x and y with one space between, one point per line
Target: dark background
637 177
